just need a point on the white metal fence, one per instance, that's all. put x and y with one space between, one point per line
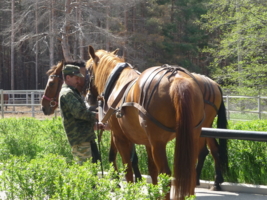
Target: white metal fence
26 102
246 107
238 107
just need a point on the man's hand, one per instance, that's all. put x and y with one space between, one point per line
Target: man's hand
101 126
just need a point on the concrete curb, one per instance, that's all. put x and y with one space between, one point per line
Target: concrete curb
237 187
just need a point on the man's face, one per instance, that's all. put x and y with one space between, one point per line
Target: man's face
73 81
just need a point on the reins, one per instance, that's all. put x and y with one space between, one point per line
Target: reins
99 134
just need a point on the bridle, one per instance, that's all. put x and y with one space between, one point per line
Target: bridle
53 101
91 77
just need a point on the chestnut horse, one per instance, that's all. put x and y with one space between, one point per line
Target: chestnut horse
214 106
158 105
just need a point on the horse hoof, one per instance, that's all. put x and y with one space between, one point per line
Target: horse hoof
215 188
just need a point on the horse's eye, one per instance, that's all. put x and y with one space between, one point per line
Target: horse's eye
51 84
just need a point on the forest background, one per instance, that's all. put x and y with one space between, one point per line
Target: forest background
225 40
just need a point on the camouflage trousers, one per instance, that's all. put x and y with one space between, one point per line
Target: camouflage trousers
82 152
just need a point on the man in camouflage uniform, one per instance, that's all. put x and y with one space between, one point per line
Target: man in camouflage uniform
78 121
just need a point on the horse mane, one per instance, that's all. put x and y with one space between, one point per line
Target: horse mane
53 69
103 69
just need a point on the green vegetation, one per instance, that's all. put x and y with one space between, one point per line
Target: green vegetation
237 44
247 159
52 177
37 162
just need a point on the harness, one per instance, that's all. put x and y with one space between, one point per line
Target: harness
53 100
145 96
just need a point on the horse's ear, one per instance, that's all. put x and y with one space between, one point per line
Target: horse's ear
60 66
115 52
92 54
91 51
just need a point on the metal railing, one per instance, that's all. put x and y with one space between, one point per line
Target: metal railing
260 136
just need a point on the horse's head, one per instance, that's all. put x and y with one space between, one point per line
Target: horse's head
49 101
97 72
50 98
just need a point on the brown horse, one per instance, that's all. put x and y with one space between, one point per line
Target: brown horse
49 101
157 106
214 106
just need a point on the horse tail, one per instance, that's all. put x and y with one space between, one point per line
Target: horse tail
222 123
181 92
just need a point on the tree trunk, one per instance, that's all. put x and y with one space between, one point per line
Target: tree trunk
125 32
36 46
81 41
12 44
107 26
51 33
64 37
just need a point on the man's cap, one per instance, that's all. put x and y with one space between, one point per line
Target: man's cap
72 70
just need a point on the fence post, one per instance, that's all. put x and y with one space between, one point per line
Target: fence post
27 98
32 102
2 103
259 106
228 111
55 113
13 99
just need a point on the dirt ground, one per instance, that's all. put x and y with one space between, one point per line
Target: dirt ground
26 111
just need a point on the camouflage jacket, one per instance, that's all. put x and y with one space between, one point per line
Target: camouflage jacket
77 120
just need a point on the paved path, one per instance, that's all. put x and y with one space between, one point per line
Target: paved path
231 191
206 194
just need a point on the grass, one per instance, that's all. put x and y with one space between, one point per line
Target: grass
34 139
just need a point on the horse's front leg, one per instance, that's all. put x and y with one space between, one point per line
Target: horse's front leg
124 146
152 168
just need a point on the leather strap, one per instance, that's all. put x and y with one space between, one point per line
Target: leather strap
113 77
112 108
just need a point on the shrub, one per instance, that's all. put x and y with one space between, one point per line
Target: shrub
51 177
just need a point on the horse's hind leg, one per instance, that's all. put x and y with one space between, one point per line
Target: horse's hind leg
214 149
134 159
160 158
203 152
